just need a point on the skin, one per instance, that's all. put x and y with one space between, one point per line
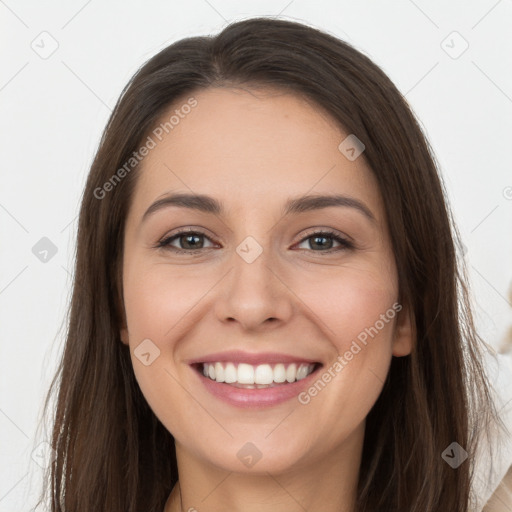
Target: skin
252 150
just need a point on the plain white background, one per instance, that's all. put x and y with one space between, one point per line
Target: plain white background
54 107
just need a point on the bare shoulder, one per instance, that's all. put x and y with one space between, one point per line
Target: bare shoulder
501 500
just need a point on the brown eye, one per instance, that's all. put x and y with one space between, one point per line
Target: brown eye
189 242
322 241
192 242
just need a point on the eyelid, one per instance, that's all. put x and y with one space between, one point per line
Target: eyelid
326 231
164 243
345 241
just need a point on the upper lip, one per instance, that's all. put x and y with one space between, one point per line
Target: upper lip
239 356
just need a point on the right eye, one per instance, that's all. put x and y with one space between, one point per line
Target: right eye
187 237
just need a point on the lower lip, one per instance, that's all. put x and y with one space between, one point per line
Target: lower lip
263 397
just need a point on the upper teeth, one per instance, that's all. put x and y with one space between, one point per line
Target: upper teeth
260 374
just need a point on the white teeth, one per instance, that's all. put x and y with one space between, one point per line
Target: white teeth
245 374
291 372
263 374
302 372
230 374
219 372
279 373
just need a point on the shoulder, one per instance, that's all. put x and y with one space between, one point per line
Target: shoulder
493 482
501 499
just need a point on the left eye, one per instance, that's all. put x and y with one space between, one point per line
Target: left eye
190 241
319 240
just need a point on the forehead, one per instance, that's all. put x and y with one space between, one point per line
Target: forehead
249 148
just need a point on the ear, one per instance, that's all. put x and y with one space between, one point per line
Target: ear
124 333
405 333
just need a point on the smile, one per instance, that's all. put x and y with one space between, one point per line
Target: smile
255 386
256 376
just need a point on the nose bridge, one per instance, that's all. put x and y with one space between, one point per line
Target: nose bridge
253 273
253 292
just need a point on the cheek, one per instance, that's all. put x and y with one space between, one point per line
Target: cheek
157 300
350 300
356 310
156 306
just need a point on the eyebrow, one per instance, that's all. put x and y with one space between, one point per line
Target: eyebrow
208 204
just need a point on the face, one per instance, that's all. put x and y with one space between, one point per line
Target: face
268 282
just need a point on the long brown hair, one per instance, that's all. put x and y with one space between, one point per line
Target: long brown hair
112 452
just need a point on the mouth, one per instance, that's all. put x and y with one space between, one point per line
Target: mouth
255 386
262 376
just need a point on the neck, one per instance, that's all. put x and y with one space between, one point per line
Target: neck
327 484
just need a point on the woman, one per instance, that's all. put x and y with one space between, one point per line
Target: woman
265 312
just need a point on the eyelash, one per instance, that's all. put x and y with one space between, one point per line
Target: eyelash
165 242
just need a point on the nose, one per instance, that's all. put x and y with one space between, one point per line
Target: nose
254 294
